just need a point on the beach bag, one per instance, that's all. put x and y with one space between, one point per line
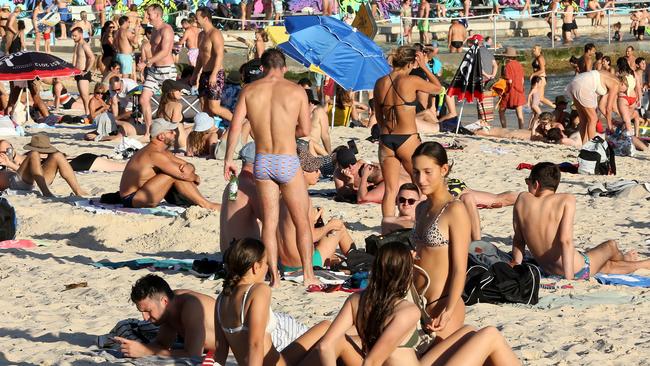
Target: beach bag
374 242
621 143
596 158
8 220
501 283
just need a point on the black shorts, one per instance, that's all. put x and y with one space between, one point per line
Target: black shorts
68 104
88 76
83 162
567 27
457 44
640 30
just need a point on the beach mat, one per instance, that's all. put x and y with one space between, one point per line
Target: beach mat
93 205
325 276
630 280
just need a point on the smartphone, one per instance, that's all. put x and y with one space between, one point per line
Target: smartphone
353 146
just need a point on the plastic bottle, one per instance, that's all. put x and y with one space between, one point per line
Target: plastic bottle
233 187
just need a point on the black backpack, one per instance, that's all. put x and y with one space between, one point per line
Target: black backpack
501 283
8 220
596 158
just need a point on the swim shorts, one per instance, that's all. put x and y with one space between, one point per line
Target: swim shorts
316 260
65 15
423 25
125 61
85 76
208 91
157 74
456 44
193 55
567 27
279 168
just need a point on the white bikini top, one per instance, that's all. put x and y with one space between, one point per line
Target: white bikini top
270 327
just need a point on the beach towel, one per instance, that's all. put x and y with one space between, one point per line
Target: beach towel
624 280
287 330
325 276
17 244
620 189
94 206
133 329
159 264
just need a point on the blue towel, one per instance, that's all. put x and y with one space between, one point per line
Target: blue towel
173 264
625 280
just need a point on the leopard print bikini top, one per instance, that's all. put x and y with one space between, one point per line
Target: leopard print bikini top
431 235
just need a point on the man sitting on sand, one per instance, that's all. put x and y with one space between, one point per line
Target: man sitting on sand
544 221
39 165
408 198
180 313
238 218
154 173
327 238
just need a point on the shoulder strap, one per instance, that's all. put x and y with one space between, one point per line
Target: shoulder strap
243 303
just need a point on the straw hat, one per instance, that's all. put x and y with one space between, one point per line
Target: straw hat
510 52
40 143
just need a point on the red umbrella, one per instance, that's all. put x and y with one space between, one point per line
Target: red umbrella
32 65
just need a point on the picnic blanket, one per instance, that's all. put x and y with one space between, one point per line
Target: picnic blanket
624 280
93 205
203 268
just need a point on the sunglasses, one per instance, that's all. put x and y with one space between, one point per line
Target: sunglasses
409 201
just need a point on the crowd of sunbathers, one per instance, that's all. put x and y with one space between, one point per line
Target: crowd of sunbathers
268 223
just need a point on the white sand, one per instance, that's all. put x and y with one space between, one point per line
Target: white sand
41 324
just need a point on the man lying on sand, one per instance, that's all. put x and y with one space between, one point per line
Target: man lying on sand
544 221
154 173
183 313
39 165
408 198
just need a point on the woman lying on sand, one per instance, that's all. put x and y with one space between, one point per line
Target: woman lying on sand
387 323
245 322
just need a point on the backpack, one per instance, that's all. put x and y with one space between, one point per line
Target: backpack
8 220
374 242
596 157
501 283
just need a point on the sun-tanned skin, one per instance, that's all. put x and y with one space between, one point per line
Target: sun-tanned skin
83 58
189 315
154 170
405 212
239 217
275 130
543 220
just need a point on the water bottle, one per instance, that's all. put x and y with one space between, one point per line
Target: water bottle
233 187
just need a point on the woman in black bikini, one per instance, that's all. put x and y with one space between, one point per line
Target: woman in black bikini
394 105
539 69
108 52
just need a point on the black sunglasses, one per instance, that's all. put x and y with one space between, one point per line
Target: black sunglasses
410 201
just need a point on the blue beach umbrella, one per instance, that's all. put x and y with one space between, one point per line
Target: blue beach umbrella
349 57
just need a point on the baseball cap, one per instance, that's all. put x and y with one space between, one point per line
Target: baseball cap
345 157
476 37
247 153
308 162
171 85
203 122
160 125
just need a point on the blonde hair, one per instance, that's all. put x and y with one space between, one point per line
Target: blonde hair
402 56
196 144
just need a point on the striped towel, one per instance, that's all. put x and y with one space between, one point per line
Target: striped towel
287 330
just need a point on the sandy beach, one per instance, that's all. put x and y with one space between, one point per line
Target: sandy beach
42 324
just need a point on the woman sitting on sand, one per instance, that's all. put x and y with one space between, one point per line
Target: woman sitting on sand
245 322
395 99
171 109
387 323
203 140
442 234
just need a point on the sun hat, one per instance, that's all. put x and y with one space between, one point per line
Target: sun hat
247 153
171 85
160 125
510 52
203 122
40 143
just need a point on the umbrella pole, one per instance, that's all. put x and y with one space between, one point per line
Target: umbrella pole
462 106
27 104
333 109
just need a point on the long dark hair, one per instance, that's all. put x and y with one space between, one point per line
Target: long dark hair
433 150
390 278
239 258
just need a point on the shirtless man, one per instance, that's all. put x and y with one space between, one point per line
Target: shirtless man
160 66
408 198
209 66
154 173
190 40
183 313
567 21
85 25
124 40
238 218
544 221
456 36
277 168
586 62
82 58
643 22
327 238
319 136
39 165
11 28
